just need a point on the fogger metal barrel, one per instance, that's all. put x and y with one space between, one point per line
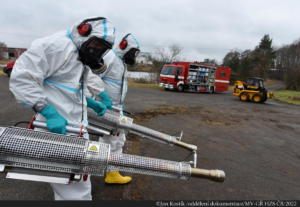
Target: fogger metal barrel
48 152
112 120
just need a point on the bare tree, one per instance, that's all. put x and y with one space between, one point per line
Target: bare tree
288 64
175 52
164 55
169 54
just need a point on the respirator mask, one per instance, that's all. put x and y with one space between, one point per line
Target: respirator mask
130 56
92 51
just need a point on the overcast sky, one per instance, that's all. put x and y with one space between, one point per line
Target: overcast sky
203 28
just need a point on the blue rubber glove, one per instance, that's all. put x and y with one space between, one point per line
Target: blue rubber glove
55 122
106 99
97 106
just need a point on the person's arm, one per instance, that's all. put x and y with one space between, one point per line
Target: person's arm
95 84
26 83
29 72
95 88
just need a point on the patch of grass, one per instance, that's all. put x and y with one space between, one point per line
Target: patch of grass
165 110
5 61
141 68
288 96
143 85
207 116
1 72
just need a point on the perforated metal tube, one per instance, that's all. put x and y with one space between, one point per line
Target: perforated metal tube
57 153
149 166
51 152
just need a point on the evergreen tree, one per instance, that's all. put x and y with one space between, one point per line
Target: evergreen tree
264 56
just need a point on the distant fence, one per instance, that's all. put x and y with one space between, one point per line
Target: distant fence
143 77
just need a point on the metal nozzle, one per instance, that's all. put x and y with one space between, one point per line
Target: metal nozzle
215 175
186 145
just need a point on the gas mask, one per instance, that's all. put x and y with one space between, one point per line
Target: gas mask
130 56
92 51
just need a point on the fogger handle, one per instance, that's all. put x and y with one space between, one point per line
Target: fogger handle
215 175
70 129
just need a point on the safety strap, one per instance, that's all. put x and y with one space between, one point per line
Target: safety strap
112 81
59 85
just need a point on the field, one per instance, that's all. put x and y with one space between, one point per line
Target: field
257 145
292 97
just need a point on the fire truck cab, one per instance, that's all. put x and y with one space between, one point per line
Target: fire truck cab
195 77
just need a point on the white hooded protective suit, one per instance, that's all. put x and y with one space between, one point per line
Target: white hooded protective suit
115 79
49 72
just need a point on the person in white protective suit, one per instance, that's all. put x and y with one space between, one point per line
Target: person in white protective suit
53 76
114 76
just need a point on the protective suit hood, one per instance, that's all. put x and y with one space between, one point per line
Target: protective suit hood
131 43
100 28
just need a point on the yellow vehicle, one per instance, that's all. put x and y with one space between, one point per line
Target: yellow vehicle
252 89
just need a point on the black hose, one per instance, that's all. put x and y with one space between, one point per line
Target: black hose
21 122
94 134
128 113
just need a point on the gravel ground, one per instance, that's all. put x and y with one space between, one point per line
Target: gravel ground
257 145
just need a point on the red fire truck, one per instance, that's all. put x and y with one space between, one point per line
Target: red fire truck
194 76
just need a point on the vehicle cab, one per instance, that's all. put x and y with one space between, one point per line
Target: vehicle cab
171 75
255 83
